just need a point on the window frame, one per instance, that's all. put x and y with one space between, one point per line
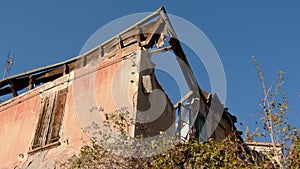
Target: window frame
48 129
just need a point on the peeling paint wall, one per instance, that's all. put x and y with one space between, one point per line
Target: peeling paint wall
19 117
18 120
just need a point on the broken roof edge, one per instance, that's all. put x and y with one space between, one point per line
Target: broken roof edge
161 11
174 42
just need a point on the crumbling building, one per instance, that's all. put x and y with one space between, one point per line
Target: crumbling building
39 125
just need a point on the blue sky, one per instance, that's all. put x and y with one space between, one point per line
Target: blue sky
42 33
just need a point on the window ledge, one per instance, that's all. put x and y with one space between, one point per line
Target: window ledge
48 146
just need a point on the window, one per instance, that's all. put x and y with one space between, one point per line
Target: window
48 127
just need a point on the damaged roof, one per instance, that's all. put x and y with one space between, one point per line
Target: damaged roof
145 33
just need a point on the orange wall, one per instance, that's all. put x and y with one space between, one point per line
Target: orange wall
19 116
18 120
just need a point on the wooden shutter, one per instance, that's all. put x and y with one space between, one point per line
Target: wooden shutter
50 120
56 117
38 137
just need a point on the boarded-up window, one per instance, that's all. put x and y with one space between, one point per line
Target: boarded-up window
50 119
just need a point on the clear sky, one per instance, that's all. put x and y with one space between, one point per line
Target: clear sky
43 33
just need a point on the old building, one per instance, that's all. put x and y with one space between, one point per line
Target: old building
43 124
275 153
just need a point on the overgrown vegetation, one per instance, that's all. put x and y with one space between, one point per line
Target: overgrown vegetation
231 152
228 153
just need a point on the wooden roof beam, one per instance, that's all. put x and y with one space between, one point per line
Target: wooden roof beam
155 33
13 91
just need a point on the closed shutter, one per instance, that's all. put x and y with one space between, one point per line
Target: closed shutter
56 118
38 137
49 124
